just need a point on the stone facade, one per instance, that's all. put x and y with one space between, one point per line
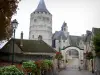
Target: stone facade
92 64
41 26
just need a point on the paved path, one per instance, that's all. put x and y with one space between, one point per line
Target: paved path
74 72
72 69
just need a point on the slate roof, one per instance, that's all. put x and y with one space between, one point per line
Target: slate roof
74 40
64 24
41 7
58 35
35 46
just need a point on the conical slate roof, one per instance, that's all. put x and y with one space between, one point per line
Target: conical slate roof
64 24
41 7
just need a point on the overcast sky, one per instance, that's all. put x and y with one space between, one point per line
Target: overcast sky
80 15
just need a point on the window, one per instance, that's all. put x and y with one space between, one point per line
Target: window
47 19
39 37
64 29
33 36
63 47
43 18
35 20
63 40
39 17
54 43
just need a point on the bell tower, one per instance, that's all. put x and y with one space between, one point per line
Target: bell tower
64 28
41 24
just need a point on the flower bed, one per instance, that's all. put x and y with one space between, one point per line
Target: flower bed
40 67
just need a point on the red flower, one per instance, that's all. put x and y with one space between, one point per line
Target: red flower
38 63
58 52
58 55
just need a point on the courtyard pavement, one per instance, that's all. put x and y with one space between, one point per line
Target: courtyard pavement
72 69
75 72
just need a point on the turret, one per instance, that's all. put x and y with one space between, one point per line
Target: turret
64 28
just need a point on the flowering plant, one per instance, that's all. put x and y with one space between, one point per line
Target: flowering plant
44 64
38 64
58 55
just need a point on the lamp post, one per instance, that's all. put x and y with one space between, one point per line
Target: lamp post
59 61
14 24
59 51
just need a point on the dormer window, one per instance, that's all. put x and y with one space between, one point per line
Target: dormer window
35 20
63 40
33 36
64 29
39 37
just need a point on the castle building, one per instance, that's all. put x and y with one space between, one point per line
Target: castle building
41 29
41 24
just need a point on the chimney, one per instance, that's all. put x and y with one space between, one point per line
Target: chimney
21 42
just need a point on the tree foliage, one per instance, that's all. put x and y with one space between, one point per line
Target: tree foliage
96 43
7 10
89 55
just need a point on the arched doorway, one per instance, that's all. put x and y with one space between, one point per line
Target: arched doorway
74 56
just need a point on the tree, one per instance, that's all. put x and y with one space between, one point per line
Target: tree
96 43
7 10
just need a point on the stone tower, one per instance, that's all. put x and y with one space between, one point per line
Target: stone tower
41 24
64 28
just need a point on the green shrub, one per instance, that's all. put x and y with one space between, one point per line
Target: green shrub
29 65
47 64
10 70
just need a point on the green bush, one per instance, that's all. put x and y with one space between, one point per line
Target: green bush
47 64
10 70
29 64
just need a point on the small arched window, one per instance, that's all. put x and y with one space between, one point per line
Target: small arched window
33 36
40 37
64 29
35 20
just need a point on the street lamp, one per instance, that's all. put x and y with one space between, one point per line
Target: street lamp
14 24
